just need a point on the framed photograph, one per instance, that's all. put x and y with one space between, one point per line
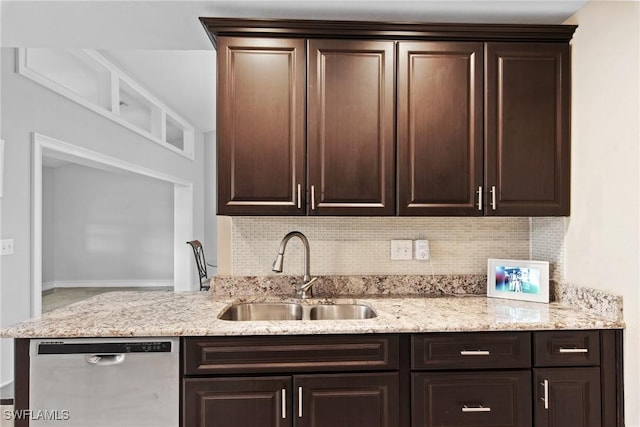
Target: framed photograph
518 279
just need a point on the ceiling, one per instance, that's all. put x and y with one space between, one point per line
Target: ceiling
162 45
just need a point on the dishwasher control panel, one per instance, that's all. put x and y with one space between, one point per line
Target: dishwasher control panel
59 347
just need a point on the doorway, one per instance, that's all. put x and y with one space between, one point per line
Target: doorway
47 150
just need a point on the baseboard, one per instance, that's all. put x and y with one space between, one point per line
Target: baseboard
105 284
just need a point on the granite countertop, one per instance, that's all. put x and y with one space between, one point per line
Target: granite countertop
155 313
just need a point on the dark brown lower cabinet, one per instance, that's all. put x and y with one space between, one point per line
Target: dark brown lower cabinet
477 379
567 397
334 400
466 399
352 400
237 402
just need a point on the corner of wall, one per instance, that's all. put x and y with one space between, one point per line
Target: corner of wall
547 244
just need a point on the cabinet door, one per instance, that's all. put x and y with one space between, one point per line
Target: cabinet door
349 400
440 128
261 126
455 399
351 127
567 397
527 128
237 402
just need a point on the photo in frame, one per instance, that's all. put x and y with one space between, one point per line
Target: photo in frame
518 279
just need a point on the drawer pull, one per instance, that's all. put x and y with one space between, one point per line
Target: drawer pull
573 350
475 352
476 408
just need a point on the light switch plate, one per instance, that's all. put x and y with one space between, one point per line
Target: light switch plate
7 246
401 250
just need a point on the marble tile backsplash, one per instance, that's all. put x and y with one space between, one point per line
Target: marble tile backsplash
361 246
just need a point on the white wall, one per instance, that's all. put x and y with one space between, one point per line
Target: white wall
602 240
210 242
28 107
104 226
48 225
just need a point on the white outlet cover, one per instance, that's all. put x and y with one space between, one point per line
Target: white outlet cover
401 250
421 250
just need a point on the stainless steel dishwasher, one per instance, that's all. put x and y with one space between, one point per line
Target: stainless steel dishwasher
119 382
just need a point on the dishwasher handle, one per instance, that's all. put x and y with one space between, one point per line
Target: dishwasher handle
104 359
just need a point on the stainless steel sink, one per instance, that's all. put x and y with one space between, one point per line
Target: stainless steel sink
341 312
263 311
293 311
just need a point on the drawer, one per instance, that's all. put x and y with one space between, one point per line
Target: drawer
566 348
471 350
227 355
457 399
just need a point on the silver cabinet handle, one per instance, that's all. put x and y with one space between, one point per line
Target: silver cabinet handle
299 196
313 197
480 197
493 197
573 350
475 352
477 408
300 400
284 404
545 399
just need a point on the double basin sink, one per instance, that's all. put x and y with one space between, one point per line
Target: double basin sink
293 311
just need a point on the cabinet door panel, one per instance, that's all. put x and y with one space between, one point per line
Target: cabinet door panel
237 402
350 127
350 400
527 128
573 397
471 399
439 128
261 126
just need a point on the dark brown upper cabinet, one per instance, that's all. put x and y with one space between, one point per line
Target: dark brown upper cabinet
527 115
439 121
350 127
309 121
261 126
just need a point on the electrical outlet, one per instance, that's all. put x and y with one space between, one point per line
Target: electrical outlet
421 250
401 250
7 246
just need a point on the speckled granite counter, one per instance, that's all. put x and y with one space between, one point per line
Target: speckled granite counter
196 314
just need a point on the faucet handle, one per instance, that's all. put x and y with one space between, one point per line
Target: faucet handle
304 291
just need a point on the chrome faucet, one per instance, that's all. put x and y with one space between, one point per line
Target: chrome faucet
304 290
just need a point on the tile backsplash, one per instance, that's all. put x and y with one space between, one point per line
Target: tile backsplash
361 246
547 243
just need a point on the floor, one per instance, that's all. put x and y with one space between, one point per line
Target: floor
59 297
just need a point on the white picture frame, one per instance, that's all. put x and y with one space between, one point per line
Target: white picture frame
522 280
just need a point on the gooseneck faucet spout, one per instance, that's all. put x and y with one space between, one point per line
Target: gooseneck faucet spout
304 290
